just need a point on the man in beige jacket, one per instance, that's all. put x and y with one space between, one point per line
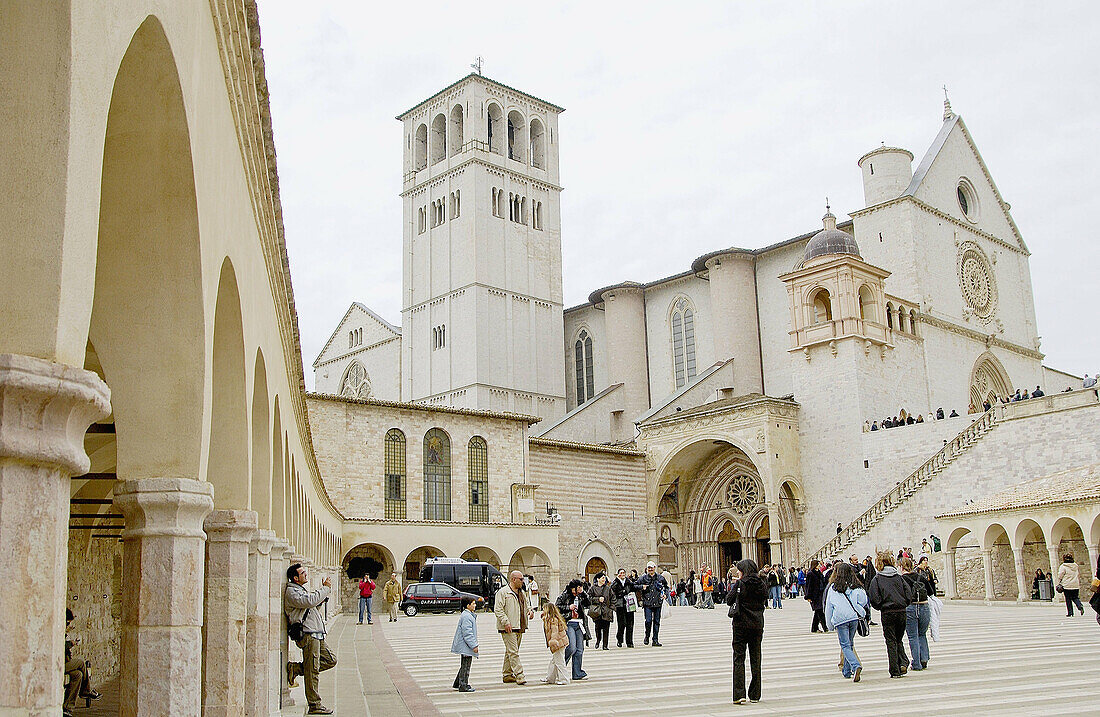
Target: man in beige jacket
512 614
392 594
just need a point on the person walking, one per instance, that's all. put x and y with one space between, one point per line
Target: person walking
1069 584
366 591
708 589
557 639
300 606
391 593
775 590
602 611
747 599
465 643
622 586
891 594
917 615
533 592
572 603
845 604
513 614
690 592
815 595
653 588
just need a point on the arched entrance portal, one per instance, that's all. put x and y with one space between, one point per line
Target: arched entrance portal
988 381
729 544
763 543
593 567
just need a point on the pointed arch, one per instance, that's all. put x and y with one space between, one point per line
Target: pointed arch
988 380
583 366
227 466
682 340
355 383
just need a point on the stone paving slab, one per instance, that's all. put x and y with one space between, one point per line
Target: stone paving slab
998 660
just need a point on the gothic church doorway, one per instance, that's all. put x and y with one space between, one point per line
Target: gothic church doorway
729 548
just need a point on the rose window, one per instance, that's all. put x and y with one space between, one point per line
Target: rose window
356 383
979 288
743 494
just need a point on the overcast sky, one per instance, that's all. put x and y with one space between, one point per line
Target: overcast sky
688 128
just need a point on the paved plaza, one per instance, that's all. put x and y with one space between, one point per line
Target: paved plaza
990 660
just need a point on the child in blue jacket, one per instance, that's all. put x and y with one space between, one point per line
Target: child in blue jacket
465 643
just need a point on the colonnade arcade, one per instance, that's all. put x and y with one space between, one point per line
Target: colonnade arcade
146 296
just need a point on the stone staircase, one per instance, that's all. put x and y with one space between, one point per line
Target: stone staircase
907 487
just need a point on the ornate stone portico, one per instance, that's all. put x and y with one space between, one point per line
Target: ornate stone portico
723 483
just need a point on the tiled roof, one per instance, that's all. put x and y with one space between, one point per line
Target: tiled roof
503 415
1075 485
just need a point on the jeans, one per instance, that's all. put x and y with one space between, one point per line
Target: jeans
463 677
364 602
1073 597
625 619
749 639
916 629
652 623
575 650
893 629
708 600
846 633
777 596
683 600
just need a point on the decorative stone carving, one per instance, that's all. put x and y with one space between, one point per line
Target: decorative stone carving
976 280
744 493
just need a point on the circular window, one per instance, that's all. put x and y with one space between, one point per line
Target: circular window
742 493
968 200
979 288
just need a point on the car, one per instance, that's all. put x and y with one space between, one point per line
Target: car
474 577
435 597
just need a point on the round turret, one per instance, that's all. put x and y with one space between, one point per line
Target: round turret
887 172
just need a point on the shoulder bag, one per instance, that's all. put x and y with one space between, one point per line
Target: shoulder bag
862 627
735 606
295 631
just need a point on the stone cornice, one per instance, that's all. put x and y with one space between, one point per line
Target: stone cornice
440 523
576 445
478 285
500 415
988 339
942 215
501 88
786 408
355 352
512 174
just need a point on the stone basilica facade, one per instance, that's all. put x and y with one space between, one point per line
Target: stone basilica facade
742 384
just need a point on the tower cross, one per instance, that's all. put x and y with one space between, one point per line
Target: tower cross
476 64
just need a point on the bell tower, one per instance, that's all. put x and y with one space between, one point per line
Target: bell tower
482 296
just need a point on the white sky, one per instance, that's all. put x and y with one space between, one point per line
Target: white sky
689 128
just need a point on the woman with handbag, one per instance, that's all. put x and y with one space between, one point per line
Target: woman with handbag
1069 584
602 611
747 598
847 611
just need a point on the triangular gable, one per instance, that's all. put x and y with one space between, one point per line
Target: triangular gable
375 329
954 154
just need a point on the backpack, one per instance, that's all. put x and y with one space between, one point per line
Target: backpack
920 588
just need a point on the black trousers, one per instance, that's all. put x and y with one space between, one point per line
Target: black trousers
603 631
626 626
749 639
463 677
1073 597
893 631
819 619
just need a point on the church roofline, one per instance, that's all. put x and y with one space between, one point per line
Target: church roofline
555 443
317 362
500 415
596 297
720 406
401 117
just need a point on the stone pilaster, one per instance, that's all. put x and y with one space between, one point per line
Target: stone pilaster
1021 576
280 561
45 408
987 568
228 535
1055 560
952 591
257 679
162 571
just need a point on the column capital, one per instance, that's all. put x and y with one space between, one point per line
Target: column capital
45 409
230 526
164 507
263 541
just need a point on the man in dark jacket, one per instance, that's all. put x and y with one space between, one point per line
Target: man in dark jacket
750 593
620 587
865 574
890 594
815 595
654 589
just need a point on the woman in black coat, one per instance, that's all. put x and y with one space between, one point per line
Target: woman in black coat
749 593
815 595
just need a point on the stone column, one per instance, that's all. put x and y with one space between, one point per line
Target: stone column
162 569
1094 554
279 693
258 635
228 534
748 548
45 408
987 567
1021 577
949 568
1055 560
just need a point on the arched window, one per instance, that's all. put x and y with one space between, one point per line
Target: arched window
395 475
420 148
478 463
517 137
437 475
356 382
913 321
823 307
683 342
538 144
495 129
582 358
866 303
890 314
439 139
456 138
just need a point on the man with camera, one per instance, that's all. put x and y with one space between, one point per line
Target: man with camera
307 629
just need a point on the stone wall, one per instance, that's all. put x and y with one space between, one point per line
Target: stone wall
600 495
94 596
